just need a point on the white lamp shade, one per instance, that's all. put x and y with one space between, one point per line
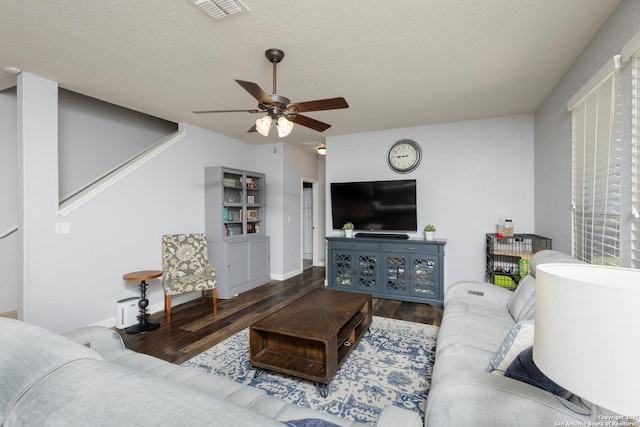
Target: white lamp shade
263 124
284 126
587 333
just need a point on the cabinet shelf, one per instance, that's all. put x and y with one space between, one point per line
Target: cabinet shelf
234 222
504 255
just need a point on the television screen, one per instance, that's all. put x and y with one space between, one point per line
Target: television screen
375 205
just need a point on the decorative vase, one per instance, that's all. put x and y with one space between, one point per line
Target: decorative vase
348 233
429 235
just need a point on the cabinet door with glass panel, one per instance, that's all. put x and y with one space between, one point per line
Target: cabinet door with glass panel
354 266
254 198
234 203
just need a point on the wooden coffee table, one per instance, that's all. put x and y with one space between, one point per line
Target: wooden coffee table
310 337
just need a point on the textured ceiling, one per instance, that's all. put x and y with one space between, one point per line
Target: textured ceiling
403 63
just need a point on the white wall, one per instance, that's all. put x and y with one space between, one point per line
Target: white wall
472 174
8 200
553 130
286 167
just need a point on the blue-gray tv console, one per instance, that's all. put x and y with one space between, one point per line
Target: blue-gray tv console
406 270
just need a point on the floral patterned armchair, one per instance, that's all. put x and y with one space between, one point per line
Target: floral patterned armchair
186 268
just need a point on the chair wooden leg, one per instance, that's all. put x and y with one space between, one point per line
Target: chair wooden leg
214 297
167 307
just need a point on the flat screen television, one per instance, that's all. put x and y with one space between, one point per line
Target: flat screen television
375 205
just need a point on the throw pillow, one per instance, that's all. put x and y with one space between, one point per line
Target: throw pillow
518 339
524 369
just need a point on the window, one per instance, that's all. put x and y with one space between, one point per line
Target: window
596 168
635 164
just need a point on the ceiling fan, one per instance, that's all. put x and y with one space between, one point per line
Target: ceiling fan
280 109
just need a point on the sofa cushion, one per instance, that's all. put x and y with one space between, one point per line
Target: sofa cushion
29 354
523 299
101 393
475 292
481 326
454 358
548 256
519 338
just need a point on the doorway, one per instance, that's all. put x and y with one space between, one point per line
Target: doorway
307 225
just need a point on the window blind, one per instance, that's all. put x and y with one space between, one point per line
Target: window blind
596 172
635 164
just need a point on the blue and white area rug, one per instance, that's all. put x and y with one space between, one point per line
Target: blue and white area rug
391 365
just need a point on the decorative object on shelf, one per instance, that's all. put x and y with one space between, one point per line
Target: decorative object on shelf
252 214
404 156
348 229
564 295
429 232
505 228
251 199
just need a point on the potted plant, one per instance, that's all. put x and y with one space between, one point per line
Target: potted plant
429 232
348 229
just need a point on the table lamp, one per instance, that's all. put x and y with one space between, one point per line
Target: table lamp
587 333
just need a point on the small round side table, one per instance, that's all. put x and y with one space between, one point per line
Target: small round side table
143 325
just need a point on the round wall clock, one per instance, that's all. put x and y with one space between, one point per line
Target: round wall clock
404 156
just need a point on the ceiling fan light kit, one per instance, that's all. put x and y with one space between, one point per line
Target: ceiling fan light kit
281 109
284 126
263 124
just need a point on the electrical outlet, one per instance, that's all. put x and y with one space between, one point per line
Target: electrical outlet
63 228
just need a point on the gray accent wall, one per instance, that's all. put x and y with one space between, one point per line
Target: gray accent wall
552 191
96 136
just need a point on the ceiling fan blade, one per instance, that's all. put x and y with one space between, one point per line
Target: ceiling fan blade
314 124
225 111
320 104
255 91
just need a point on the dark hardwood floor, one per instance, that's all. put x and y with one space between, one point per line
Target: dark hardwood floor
194 329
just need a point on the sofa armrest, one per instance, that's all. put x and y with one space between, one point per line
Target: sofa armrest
478 291
463 398
96 337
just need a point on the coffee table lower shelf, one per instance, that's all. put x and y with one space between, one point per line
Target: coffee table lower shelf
290 365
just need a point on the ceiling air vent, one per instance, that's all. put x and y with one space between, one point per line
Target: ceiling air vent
218 9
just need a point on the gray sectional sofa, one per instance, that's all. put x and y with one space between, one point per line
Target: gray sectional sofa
481 325
88 378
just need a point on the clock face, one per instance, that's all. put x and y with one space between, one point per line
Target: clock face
404 156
